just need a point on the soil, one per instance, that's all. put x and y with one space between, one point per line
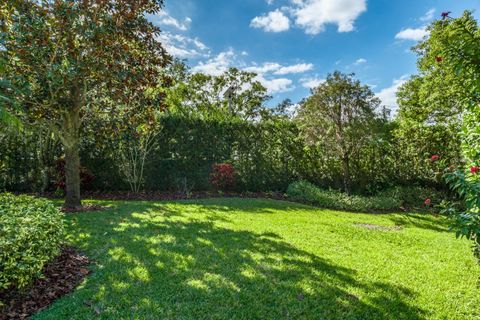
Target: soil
60 278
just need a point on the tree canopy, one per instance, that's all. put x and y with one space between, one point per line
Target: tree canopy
77 59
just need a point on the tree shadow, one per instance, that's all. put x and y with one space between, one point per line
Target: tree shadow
154 262
421 221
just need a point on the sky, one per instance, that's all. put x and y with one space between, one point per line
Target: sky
293 44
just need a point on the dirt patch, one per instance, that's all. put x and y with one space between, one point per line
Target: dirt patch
60 277
378 228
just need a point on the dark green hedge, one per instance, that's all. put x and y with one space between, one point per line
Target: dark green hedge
267 156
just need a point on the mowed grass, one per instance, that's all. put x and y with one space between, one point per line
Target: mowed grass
265 259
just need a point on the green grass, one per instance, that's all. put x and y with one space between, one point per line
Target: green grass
264 259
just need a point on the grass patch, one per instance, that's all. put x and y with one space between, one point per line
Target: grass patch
265 259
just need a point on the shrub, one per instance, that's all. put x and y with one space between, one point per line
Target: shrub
223 176
31 231
413 197
306 192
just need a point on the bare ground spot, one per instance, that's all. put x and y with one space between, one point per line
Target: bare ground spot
378 228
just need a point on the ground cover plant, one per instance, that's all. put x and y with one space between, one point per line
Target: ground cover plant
267 259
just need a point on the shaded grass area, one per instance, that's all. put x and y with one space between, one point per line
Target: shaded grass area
266 259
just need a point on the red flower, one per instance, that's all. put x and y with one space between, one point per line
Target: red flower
428 202
435 157
445 15
475 169
439 59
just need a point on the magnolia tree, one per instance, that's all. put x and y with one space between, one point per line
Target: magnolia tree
454 46
78 59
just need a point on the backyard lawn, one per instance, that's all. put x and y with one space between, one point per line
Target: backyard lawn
265 259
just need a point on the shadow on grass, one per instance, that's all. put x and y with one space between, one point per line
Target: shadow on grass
155 262
422 221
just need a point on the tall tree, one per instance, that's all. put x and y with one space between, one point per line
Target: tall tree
339 117
78 59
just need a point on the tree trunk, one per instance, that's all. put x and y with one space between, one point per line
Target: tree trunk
71 144
346 174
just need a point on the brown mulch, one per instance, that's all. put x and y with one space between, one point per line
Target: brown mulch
379 228
60 277
85 208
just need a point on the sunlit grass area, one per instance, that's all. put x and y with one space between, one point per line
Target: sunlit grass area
265 259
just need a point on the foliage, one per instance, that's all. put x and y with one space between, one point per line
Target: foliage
7 119
223 176
339 118
79 60
413 196
466 218
233 93
28 160
268 155
31 232
307 192
208 259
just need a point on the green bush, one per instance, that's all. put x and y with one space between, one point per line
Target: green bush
415 196
31 232
306 192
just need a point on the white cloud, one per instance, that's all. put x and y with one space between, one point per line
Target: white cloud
412 34
360 61
274 21
389 95
222 62
163 18
264 68
216 65
278 69
183 47
296 68
313 15
311 83
276 85
429 15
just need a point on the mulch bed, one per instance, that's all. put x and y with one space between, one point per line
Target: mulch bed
61 277
85 208
157 195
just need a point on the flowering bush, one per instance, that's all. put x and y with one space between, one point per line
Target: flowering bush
457 41
223 176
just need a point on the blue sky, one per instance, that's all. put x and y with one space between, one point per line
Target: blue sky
294 44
